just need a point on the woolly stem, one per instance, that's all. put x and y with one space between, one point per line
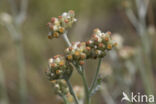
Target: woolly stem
65 37
65 99
96 76
72 91
83 76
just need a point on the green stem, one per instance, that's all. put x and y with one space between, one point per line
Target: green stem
83 75
72 92
65 99
96 76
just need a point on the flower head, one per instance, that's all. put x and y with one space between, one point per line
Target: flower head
58 26
100 43
59 68
119 39
96 47
60 87
78 52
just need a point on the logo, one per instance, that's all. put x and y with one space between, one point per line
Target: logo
138 98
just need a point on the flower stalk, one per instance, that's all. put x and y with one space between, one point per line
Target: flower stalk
65 99
65 37
96 76
72 92
83 75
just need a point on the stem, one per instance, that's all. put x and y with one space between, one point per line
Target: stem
72 92
144 60
96 76
106 94
3 90
83 75
65 99
65 37
145 52
16 36
22 73
132 17
23 12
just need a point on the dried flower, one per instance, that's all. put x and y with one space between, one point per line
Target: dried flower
96 47
119 39
100 43
60 87
77 52
59 68
126 52
58 26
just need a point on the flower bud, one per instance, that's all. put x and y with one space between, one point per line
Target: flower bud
59 68
60 87
59 25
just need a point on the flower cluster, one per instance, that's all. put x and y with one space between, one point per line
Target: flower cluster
58 26
59 68
100 43
78 52
60 87
96 47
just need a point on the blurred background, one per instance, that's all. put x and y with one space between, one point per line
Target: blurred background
25 48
